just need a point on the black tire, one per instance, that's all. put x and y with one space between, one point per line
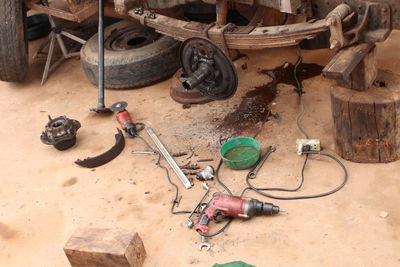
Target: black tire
38 26
13 43
134 56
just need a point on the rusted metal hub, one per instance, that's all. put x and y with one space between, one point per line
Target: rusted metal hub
60 132
131 37
184 96
208 68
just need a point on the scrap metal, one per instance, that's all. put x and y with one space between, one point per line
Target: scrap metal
112 153
60 132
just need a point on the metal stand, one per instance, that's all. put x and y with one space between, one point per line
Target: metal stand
54 36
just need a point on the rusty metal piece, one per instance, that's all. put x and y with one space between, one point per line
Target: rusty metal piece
208 68
193 167
205 160
178 154
206 174
184 96
112 153
60 132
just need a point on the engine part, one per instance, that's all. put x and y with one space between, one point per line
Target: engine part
189 219
124 119
206 174
168 158
93 162
253 173
234 207
60 132
181 95
208 68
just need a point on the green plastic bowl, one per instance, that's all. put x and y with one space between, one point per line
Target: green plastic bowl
240 153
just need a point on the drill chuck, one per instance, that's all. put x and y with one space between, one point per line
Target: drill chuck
256 208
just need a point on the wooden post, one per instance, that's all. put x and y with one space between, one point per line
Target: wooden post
367 123
91 247
222 12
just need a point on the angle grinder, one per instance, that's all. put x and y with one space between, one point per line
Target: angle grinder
124 119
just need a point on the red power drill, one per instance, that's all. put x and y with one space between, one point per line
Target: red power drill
124 119
232 206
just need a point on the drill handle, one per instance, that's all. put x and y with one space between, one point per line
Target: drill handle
202 224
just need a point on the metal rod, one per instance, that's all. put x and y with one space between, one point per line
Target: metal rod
100 103
168 158
189 219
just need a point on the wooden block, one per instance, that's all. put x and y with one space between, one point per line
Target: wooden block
354 67
366 123
91 247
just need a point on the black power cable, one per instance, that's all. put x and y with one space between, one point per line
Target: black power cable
260 190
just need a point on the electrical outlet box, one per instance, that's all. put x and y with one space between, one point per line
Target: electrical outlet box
313 144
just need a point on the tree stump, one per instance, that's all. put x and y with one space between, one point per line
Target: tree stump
367 123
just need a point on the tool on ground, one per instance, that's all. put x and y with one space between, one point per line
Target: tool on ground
168 158
101 107
253 173
93 162
124 119
189 219
60 132
179 154
226 206
193 167
204 243
207 68
56 36
205 160
206 174
144 152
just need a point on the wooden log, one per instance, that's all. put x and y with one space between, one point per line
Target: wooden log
91 247
367 123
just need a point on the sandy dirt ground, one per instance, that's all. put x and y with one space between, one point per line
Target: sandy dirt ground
45 196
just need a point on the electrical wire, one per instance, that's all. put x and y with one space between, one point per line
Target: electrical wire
260 190
176 200
300 92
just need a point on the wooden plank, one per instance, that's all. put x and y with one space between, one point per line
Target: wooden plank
80 16
92 247
346 60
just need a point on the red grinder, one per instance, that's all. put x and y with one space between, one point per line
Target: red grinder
124 119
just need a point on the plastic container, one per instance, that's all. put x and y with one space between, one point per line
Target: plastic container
240 153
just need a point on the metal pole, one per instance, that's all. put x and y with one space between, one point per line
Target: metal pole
168 158
101 104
